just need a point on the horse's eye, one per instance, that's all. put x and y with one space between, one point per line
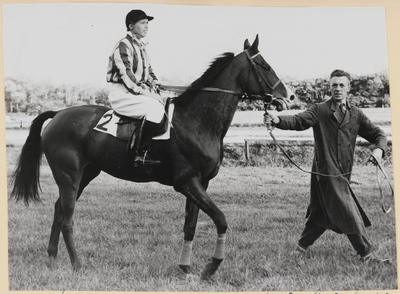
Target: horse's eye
264 66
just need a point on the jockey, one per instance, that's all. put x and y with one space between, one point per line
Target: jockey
134 87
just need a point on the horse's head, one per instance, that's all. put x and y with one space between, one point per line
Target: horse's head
261 80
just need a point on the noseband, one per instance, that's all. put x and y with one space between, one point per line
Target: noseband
265 96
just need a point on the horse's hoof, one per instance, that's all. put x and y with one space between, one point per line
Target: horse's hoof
77 266
211 268
88 265
185 268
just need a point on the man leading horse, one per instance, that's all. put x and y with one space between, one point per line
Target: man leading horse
333 205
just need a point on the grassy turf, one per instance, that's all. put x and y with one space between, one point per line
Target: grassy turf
129 236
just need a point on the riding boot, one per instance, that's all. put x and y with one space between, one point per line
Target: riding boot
141 155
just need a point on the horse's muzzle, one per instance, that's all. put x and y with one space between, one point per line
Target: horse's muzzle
280 104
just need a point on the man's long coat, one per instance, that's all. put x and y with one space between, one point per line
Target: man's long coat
333 204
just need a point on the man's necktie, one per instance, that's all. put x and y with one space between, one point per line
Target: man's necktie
343 108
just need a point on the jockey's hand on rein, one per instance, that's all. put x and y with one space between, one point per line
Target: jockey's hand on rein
155 83
143 86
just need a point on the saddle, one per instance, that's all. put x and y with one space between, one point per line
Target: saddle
130 129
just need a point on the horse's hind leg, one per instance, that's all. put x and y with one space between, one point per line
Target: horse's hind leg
55 233
89 174
68 186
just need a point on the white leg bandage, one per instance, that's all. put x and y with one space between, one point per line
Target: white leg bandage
220 247
186 253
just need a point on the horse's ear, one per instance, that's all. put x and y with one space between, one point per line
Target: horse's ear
246 44
255 44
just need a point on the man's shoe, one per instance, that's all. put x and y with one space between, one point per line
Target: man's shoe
298 252
369 259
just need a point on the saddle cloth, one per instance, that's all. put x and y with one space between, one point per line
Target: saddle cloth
112 124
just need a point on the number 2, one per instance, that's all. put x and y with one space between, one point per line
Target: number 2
101 125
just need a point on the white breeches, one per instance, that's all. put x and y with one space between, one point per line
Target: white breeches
125 103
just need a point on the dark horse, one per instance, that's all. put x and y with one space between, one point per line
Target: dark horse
189 159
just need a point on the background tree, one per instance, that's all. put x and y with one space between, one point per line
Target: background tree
22 95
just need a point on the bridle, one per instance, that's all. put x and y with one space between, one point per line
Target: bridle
260 78
267 98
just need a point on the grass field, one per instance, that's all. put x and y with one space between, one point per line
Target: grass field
129 235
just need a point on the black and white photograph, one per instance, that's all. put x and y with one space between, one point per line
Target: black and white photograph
198 147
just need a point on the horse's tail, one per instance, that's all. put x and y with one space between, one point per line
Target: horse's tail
25 179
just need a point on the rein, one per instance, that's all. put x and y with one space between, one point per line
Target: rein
380 168
266 97
243 94
375 161
295 164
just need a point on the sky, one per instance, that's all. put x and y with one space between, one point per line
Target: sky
71 42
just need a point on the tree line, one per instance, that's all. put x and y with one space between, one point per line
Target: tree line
366 92
32 98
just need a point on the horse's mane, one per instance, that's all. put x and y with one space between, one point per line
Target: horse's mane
210 74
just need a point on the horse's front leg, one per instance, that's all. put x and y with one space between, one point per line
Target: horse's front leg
195 191
189 229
